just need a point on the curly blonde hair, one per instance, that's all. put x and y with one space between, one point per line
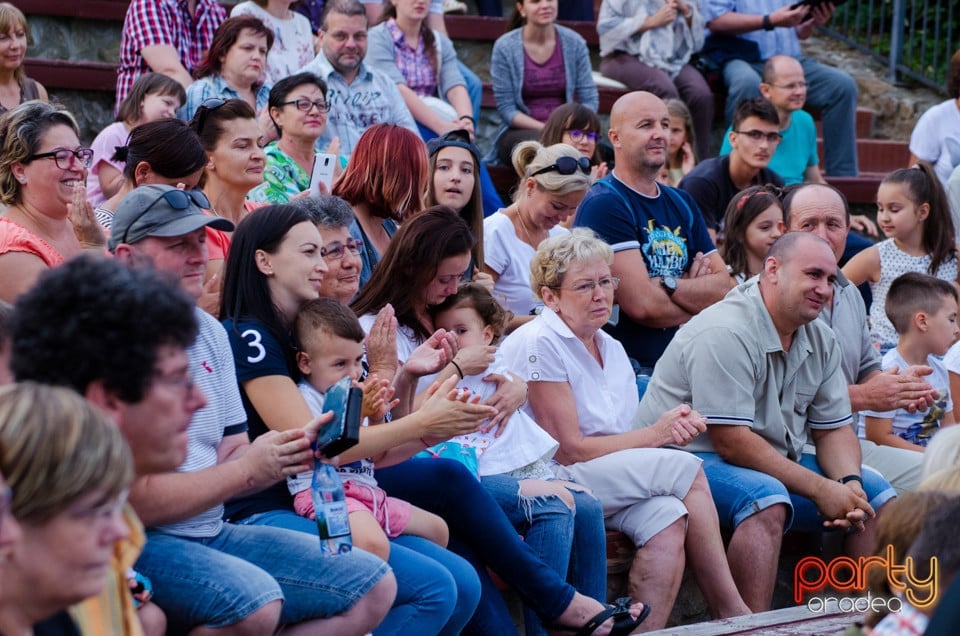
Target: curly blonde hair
555 255
530 156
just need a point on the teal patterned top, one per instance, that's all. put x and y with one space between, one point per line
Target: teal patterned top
283 178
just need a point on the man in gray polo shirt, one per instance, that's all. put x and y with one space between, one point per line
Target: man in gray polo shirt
822 210
767 377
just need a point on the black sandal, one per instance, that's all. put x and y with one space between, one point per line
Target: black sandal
623 622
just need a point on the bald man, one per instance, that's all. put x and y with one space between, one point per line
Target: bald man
780 452
668 267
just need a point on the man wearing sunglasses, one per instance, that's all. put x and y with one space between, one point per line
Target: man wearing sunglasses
668 266
190 550
753 139
358 96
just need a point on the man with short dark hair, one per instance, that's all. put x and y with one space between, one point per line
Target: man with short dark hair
753 140
766 375
358 95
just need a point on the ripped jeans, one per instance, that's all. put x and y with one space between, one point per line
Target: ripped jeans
572 542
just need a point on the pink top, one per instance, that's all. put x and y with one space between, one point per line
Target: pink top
16 238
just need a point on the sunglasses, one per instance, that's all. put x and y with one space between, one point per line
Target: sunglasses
177 199
566 165
200 118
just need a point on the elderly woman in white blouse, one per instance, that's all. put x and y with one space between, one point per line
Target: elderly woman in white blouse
582 391
647 45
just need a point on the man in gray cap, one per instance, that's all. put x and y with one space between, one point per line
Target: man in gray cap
208 573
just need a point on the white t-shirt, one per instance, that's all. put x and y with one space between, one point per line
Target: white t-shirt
506 254
292 41
545 350
919 427
936 138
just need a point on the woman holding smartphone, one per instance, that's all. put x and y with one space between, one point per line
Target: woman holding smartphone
298 109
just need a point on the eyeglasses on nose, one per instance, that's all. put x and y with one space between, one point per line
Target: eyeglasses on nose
305 105
64 158
790 87
577 135
336 249
608 284
759 135
566 165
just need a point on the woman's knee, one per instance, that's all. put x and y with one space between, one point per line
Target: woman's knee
533 488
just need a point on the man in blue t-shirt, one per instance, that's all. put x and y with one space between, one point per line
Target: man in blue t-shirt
668 266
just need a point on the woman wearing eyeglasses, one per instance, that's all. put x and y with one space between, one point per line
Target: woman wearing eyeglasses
69 469
298 110
43 172
553 181
582 392
234 67
537 66
577 126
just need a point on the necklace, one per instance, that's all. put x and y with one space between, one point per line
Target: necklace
526 232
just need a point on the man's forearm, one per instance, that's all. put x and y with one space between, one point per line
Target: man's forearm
838 451
733 23
693 295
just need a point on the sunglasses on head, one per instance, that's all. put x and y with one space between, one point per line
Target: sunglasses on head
200 118
176 199
566 165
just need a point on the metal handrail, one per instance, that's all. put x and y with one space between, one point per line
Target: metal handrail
915 39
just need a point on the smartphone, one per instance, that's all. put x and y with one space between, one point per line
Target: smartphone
343 431
816 3
323 165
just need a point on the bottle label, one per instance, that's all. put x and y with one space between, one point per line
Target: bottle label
333 521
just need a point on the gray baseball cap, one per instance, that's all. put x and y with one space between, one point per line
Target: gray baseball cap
161 210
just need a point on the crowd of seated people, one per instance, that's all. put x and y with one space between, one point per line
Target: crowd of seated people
646 340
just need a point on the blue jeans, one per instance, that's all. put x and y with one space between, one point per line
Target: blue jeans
740 492
218 581
437 591
481 533
550 528
829 90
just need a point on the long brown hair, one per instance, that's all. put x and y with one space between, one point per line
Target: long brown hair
923 186
743 208
411 262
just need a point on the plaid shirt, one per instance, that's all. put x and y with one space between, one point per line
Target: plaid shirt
906 622
165 22
414 64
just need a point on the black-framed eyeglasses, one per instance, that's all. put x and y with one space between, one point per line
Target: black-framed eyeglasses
200 117
64 157
177 199
759 135
577 135
335 250
304 104
566 165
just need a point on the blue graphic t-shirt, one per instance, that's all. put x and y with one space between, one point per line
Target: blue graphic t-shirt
667 229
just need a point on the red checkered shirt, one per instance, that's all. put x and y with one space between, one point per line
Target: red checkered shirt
165 22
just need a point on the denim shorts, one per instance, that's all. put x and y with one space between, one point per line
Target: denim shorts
218 581
740 492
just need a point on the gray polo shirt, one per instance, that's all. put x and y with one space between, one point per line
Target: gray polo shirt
847 316
729 365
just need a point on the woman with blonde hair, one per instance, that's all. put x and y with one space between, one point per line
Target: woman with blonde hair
69 469
15 87
553 181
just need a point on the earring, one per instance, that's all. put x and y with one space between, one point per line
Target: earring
22 179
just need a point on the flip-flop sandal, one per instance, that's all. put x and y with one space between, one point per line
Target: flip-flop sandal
623 622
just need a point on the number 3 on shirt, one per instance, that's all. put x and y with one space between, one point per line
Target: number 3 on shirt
254 343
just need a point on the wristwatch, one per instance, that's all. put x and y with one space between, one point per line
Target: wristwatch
767 23
669 284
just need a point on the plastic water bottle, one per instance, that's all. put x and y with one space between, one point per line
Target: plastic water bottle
330 506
